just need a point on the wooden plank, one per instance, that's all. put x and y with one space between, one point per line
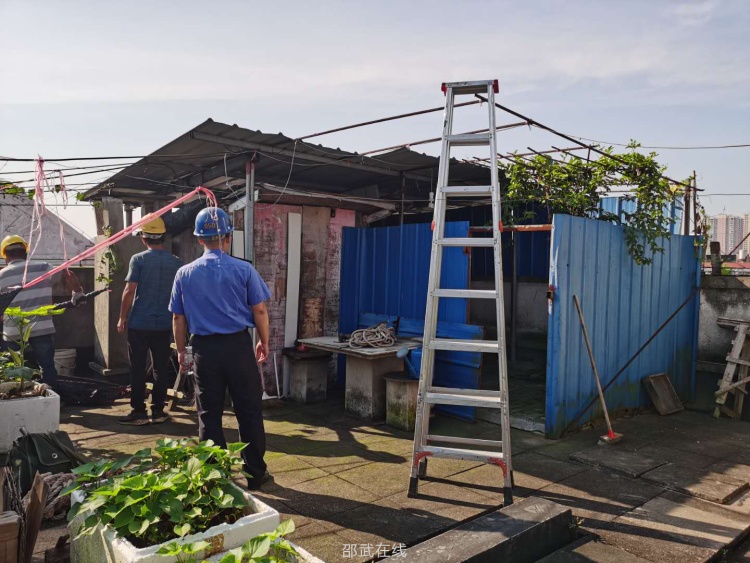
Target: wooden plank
739 397
294 270
729 372
662 394
10 524
738 361
313 274
331 344
733 386
729 412
731 323
34 515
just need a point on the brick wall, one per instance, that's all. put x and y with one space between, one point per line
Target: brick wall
319 277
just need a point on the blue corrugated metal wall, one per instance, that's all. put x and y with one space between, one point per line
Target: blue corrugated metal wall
384 270
623 305
381 279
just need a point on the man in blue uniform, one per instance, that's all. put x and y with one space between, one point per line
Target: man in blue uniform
144 314
218 299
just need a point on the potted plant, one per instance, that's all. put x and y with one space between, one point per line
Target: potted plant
24 401
176 503
265 548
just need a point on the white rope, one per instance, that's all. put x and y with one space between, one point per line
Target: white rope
378 336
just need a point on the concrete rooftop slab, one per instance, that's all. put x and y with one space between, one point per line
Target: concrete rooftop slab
343 480
628 463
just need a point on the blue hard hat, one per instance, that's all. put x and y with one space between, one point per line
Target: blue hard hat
212 222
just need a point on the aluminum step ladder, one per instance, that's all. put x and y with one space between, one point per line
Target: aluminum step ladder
426 445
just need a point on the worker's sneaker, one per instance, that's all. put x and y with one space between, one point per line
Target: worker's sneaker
254 484
157 417
135 418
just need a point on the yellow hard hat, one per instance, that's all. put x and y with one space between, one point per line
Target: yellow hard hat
10 241
154 228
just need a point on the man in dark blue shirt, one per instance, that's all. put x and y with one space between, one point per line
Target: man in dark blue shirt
145 316
218 299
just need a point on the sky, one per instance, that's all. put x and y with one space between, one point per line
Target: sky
86 79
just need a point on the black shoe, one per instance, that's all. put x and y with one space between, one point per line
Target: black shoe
157 417
135 418
254 484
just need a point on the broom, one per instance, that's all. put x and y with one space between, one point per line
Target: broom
612 437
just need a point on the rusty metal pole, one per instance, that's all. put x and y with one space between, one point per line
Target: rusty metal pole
686 213
514 301
250 211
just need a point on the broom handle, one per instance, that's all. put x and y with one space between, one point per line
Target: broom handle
593 363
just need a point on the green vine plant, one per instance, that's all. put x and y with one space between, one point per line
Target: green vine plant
152 498
574 186
265 548
12 362
110 261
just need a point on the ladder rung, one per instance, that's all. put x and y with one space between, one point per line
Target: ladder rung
466 293
468 441
457 453
465 345
470 87
478 241
468 139
487 399
465 191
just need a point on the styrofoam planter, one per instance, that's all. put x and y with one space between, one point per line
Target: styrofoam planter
105 546
304 556
32 414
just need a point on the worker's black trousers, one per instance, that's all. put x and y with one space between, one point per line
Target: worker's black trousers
227 361
140 343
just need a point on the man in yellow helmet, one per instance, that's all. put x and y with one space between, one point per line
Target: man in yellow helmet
14 250
145 316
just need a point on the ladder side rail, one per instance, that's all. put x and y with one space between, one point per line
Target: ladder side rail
500 303
421 425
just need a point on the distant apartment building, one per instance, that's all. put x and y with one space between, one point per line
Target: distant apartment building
729 230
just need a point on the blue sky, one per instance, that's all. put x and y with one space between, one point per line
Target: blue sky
104 78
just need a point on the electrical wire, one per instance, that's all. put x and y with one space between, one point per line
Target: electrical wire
283 190
71 168
79 173
667 148
57 160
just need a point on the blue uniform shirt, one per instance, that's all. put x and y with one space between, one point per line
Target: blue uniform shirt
153 271
216 293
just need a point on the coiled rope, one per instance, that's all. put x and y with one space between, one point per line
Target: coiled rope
378 336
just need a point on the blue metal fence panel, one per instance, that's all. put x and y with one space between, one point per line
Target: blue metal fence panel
623 305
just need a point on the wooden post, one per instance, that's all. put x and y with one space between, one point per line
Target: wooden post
715 247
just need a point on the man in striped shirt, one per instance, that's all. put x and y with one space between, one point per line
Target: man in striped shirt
14 249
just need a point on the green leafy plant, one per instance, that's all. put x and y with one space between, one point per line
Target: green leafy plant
575 186
153 497
110 261
12 362
265 548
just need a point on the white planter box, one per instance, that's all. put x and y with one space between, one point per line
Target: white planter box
33 414
304 556
103 546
